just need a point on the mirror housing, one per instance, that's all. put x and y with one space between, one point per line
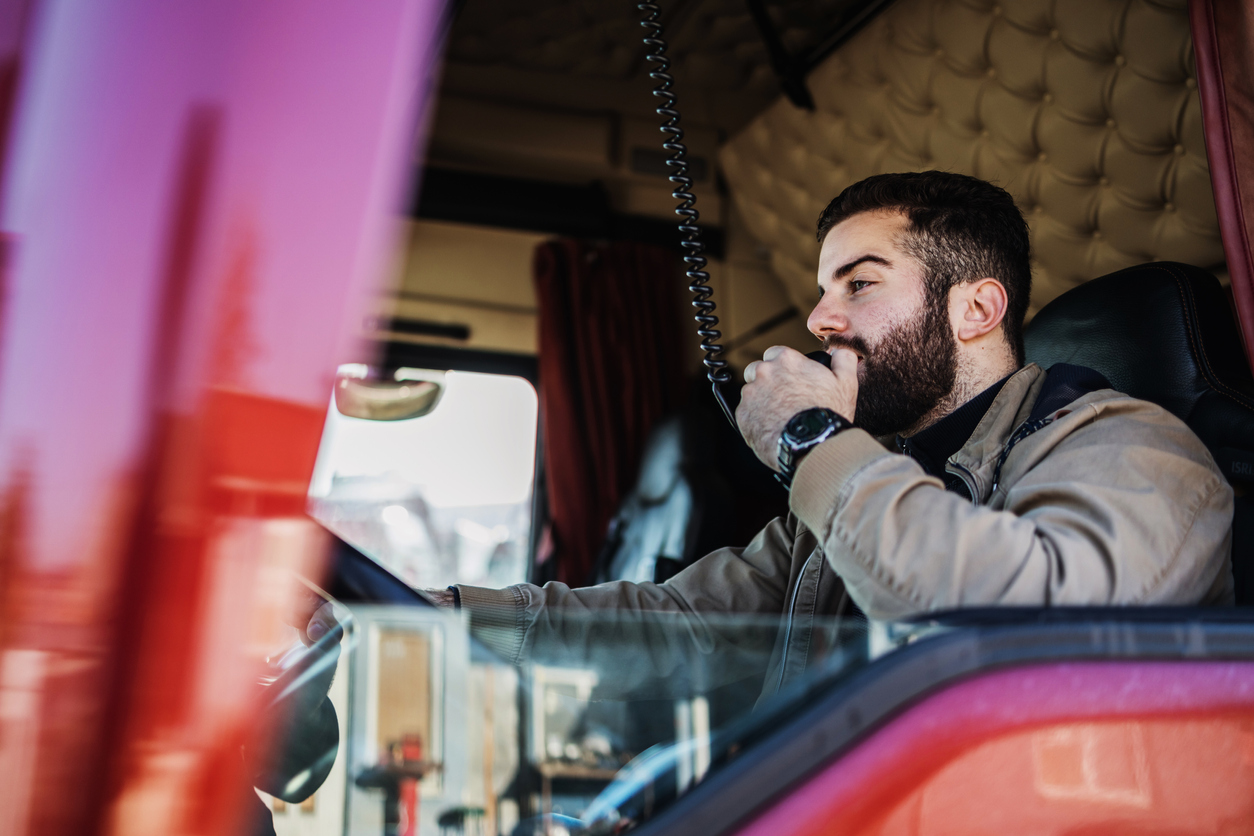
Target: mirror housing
412 394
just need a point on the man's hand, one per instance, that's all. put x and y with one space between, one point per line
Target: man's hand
442 598
785 382
311 614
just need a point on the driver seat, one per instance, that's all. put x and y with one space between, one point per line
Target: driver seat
1164 332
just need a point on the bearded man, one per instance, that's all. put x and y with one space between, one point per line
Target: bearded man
929 468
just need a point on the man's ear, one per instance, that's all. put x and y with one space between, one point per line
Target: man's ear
979 307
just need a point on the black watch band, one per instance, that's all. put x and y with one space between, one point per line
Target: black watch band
803 432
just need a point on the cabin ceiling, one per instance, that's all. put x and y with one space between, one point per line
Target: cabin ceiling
589 55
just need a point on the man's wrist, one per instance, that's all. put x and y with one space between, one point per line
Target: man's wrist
445 598
804 431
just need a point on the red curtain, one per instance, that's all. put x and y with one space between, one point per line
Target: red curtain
1225 84
611 363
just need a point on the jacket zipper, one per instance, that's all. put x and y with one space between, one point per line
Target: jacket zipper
792 608
968 479
1025 430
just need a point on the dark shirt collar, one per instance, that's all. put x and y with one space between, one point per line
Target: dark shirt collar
933 446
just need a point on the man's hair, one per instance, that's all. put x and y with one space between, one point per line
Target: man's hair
960 229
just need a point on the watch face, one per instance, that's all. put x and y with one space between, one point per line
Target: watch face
809 424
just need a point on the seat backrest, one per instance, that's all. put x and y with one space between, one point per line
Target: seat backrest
1164 332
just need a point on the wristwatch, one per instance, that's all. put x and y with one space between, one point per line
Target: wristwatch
803 432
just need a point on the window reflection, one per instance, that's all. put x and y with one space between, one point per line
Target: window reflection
439 736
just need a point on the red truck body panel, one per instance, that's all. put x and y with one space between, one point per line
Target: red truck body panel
1112 747
198 200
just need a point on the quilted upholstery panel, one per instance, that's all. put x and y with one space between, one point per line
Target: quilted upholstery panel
1085 110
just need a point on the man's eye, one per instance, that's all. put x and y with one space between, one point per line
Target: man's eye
856 282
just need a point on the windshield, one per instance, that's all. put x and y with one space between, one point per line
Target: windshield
411 722
439 499
595 737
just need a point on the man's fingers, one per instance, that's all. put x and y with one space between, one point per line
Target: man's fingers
442 598
300 604
772 353
321 623
844 362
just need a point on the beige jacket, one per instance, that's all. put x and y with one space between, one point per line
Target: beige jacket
1114 501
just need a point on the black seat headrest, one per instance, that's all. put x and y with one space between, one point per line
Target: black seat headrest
1163 332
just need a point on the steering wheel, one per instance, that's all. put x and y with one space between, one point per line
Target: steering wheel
301 721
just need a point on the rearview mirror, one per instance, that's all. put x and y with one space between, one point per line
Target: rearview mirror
412 394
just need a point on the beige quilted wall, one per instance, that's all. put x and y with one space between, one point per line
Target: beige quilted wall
1085 110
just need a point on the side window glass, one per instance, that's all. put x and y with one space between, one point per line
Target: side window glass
441 498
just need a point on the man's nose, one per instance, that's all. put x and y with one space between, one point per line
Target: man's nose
827 318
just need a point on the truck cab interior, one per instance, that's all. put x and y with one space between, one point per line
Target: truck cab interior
545 128
522 395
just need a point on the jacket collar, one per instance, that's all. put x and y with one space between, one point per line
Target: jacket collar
933 446
1011 407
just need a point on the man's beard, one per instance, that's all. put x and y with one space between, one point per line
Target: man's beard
907 374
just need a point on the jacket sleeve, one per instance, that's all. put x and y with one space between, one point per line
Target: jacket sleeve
714 622
1122 505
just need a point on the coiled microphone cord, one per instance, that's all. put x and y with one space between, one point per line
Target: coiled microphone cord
694 258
